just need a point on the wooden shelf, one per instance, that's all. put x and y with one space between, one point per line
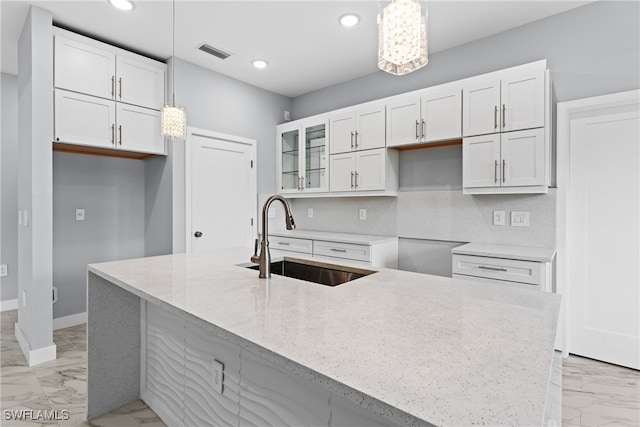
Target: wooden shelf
97 151
429 145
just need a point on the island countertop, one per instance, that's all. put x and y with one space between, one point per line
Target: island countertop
440 350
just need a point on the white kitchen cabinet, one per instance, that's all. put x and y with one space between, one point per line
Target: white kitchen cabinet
507 162
434 115
139 129
97 69
303 156
359 129
83 119
513 101
359 171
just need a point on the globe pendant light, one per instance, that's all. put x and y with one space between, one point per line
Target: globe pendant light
402 43
174 118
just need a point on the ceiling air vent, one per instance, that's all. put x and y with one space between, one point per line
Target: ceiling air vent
218 53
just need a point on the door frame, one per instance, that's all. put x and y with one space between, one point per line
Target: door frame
566 113
191 132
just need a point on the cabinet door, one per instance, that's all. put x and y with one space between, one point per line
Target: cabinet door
316 176
442 116
523 160
480 105
370 170
370 129
140 83
403 122
84 68
522 101
343 127
139 129
289 157
481 161
85 120
342 172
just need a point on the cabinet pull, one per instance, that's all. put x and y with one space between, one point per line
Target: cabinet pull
417 127
284 243
351 179
424 129
338 250
120 88
352 140
495 172
113 133
302 182
113 86
484 267
120 134
504 172
495 117
504 117
356 179
356 139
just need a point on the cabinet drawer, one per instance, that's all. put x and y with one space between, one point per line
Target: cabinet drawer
342 250
499 268
496 282
291 244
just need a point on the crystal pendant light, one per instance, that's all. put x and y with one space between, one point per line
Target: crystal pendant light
174 118
402 40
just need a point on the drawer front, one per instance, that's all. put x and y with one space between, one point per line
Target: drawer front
498 268
497 282
291 244
342 250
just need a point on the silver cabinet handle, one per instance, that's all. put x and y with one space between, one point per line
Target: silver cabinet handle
356 140
484 267
352 179
113 133
504 172
504 117
120 134
356 179
120 88
424 129
495 117
284 243
338 250
113 85
417 127
495 172
351 139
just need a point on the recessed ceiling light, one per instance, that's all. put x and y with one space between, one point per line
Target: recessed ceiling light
349 20
260 63
122 4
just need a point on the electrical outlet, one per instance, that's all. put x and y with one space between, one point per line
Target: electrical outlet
519 219
309 212
499 218
3 270
272 212
218 375
79 214
362 214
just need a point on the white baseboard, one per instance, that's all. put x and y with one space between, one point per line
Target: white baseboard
10 304
34 357
69 321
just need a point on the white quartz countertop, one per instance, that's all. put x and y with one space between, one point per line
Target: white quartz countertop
505 251
441 350
360 239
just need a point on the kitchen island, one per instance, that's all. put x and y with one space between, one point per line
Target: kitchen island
391 348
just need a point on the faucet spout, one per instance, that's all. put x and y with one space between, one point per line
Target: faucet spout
264 259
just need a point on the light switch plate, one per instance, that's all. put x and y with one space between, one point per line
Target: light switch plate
499 218
362 214
3 270
519 219
218 375
272 212
79 214
309 212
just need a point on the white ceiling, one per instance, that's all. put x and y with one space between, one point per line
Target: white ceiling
303 42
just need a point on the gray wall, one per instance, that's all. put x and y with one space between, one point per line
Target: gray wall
591 50
9 180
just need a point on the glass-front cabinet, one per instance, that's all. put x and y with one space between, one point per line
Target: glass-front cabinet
303 156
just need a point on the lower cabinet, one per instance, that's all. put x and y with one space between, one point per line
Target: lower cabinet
177 382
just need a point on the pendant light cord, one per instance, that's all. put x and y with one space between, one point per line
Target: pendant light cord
173 60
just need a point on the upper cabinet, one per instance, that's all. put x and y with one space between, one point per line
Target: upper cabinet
360 129
433 116
513 102
303 156
106 98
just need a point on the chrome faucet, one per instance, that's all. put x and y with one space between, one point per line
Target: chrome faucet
264 259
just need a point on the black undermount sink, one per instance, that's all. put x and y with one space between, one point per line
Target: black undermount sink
316 272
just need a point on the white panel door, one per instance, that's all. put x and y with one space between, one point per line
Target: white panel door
603 236
83 119
481 161
140 83
522 155
223 191
343 129
522 101
139 129
342 172
480 103
84 68
370 129
370 170
403 122
441 113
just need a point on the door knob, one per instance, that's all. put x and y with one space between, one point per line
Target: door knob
198 234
